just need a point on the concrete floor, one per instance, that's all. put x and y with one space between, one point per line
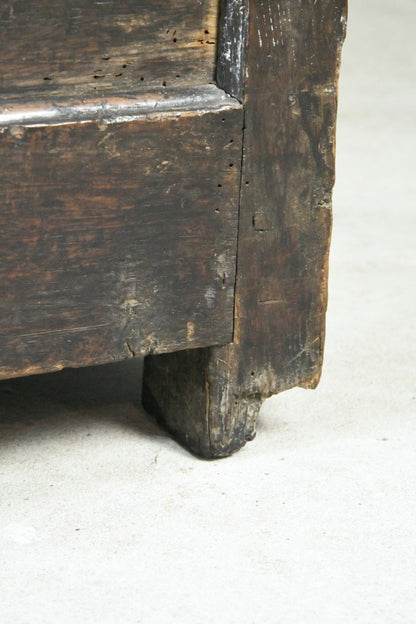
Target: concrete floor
105 519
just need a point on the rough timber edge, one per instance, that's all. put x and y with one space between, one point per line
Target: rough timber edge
198 100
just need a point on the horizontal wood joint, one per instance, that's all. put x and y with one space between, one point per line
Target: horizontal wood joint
114 109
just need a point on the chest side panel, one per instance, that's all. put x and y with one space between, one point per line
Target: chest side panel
85 46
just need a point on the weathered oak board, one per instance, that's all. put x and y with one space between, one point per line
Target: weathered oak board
209 398
85 45
118 235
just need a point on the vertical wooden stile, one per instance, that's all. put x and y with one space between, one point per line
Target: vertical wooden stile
209 398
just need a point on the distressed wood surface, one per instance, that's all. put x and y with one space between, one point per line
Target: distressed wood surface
232 46
118 235
85 45
209 398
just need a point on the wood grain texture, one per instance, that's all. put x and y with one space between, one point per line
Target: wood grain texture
284 232
232 46
122 107
84 46
118 235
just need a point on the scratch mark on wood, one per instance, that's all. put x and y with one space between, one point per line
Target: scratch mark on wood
51 332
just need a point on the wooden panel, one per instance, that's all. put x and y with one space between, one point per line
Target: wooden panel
288 176
284 232
49 46
118 238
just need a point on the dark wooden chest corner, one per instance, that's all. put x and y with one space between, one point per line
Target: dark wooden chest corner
166 180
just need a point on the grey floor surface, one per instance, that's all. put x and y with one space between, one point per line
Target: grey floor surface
104 519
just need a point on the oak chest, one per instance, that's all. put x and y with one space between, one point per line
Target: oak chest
165 191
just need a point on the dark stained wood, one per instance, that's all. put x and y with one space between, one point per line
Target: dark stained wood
121 194
123 107
84 46
232 46
118 234
209 398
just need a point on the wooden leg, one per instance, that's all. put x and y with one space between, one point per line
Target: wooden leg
209 398
194 396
